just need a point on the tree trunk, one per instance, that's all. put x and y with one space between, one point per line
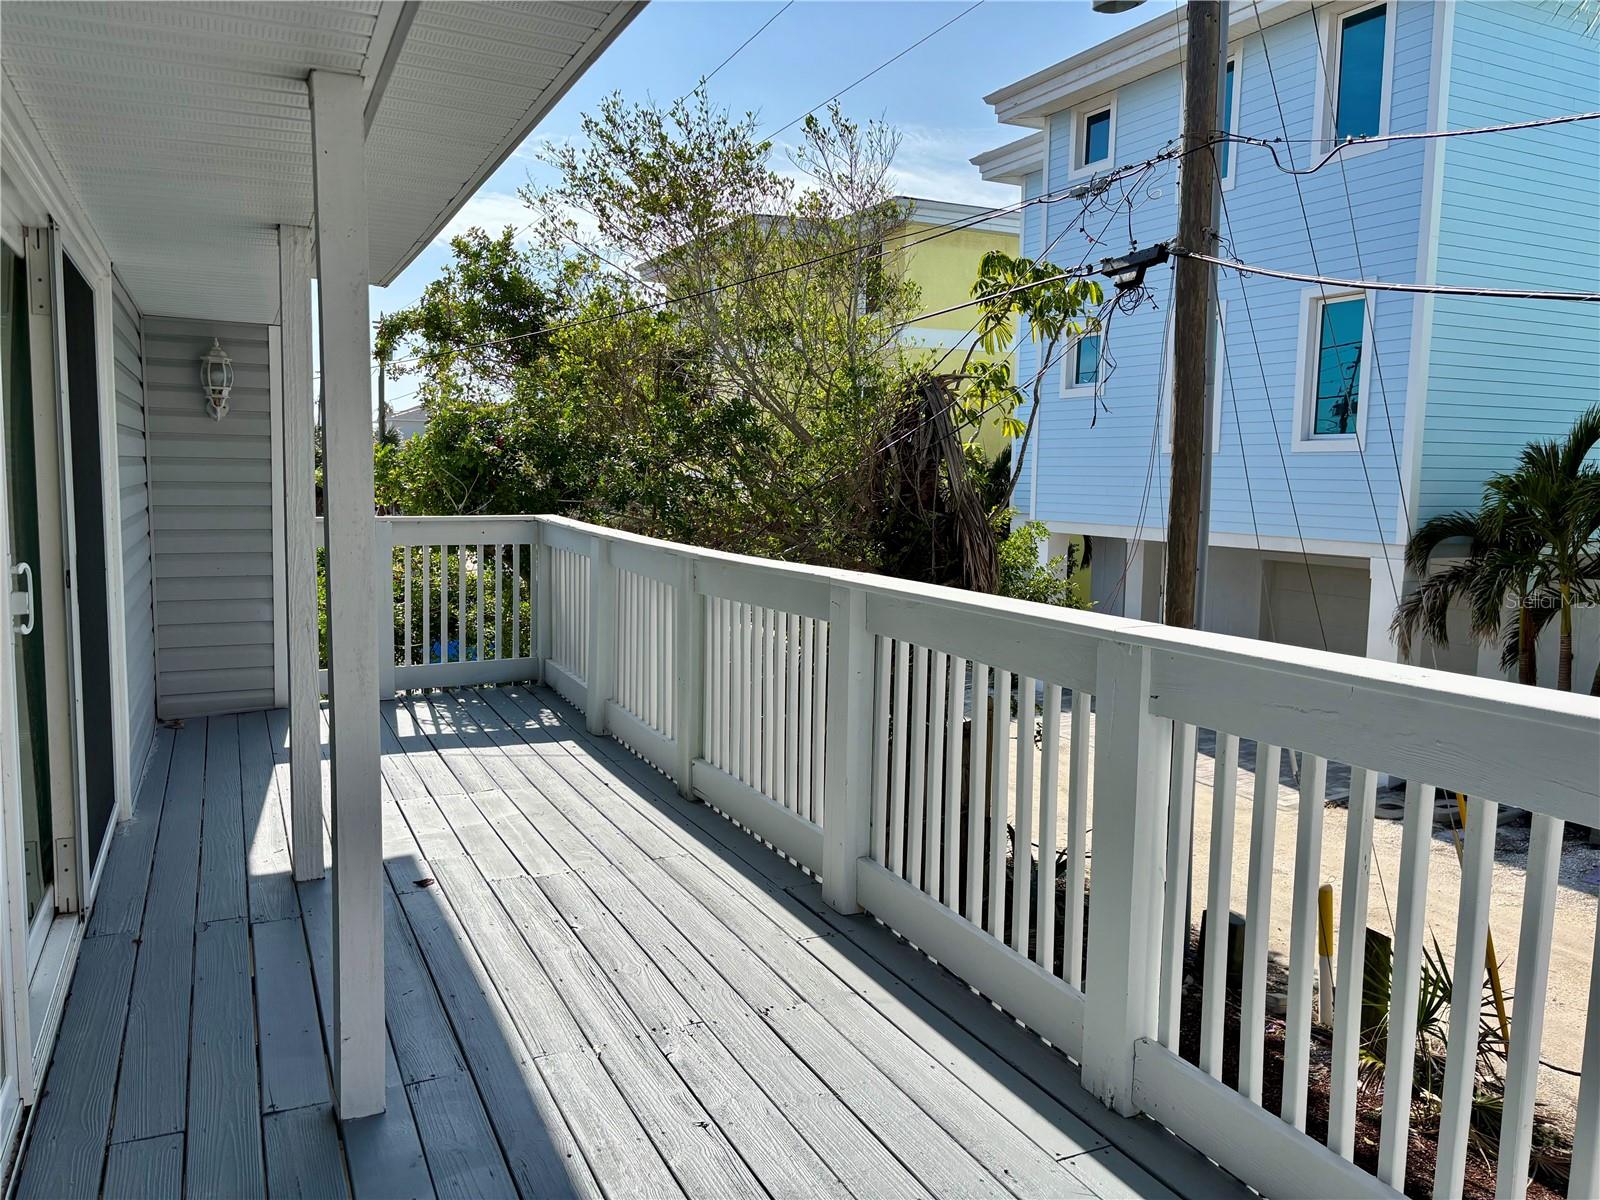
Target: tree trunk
1564 660
1527 660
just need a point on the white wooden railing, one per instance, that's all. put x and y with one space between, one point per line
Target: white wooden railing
899 740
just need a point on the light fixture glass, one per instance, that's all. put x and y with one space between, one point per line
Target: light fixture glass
216 376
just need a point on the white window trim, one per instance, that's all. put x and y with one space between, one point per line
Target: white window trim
1219 369
1069 363
1329 22
1236 59
1305 384
1079 115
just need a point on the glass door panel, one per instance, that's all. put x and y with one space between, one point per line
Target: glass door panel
22 512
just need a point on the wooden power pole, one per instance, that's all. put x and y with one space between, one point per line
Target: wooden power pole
1194 326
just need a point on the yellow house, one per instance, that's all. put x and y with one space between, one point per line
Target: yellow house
944 269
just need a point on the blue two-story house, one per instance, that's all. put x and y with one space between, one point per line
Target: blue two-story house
1342 417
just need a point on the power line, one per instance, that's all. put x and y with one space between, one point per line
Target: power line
886 62
1380 285
705 79
1271 144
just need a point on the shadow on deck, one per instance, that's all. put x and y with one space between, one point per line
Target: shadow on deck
593 987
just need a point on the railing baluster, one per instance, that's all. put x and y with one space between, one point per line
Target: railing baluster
1180 864
1022 842
1533 977
999 802
937 686
1258 923
405 603
791 724
427 604
1405 983
742 716
477 646
516 598
1584 1179
1077 838
1049 770
444 602
1466 998
819 726
807 696
897 751
956 713
1303 940
461 602
915 815
1352 964
770 727
977 791
882 648
782 714
1219 891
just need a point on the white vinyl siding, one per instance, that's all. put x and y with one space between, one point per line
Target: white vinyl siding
211 492
133 481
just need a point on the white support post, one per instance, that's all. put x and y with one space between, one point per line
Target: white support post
689 664
1132 755
300 547
602 635
338 175
543 614
848 748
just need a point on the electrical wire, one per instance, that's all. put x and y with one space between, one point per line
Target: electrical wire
1271 144
1380 285
705 79
886 62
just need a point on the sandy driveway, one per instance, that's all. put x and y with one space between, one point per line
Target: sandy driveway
1574 938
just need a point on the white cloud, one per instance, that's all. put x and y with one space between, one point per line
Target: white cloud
489 211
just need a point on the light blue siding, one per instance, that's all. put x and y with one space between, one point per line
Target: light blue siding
1518 210
1105 462
1033 218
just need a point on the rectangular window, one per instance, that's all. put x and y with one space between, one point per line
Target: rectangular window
1227 118
1337 380
1086 361
1096 137
1358 110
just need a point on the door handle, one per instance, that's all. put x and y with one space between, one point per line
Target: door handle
22 600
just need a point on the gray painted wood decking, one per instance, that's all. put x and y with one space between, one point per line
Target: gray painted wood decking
593 988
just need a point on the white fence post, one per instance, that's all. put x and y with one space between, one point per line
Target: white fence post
383 564
543 616
847 763
602 675
1132 752
689 663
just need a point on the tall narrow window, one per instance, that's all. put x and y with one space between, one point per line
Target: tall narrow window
1096 137
1337 395
1227 117
1358 111
1086 361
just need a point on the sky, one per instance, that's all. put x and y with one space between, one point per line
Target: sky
933 95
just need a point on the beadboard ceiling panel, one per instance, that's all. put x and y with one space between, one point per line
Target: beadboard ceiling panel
184 131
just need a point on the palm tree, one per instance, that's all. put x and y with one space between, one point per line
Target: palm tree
1495 574
1533 547
1553 499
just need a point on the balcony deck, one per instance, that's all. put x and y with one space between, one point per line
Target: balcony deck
593 987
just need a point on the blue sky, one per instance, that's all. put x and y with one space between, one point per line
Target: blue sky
933 95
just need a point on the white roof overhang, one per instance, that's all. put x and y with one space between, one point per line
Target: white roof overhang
182 131
1013 162
1146 48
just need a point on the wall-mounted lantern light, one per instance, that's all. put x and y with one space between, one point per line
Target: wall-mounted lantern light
216 376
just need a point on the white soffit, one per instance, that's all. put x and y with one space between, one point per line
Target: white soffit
184 133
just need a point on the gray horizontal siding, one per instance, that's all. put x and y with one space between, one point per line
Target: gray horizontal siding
211 520
133 482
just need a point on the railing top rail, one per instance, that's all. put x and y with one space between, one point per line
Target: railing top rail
1401 681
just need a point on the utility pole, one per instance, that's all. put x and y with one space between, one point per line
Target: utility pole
383 410
1194 325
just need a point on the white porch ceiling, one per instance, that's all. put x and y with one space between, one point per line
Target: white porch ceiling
184 132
